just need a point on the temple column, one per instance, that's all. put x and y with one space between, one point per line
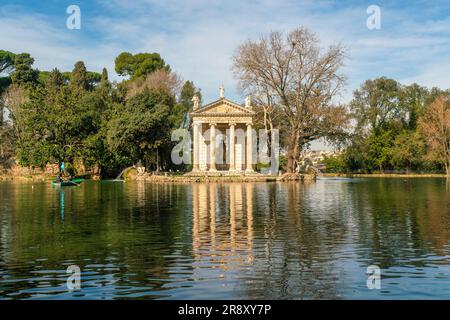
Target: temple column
249 148
232 148
195 166
212 147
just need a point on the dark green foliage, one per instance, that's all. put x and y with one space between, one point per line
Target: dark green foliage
386 135
187 93
93 78
4 83
138 129
104 81
139 64
6 144
407 150
6 61
79 79
23 73
68 116
337 164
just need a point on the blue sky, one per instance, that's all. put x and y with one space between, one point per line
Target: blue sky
198 37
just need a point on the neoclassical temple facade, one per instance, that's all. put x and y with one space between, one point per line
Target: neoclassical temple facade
222 136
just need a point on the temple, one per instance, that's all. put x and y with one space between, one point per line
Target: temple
227 127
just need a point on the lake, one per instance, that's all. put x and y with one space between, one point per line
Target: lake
227 240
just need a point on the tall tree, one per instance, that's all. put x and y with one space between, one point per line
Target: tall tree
79 78
141 127
375 103
408 150
7 141
301 79
104 81
187 93
55 80
23 72
412 101
6 133
138 65
435 125
6 66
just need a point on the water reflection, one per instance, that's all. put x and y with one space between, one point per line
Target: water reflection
227 240
275 249
61 204
222 226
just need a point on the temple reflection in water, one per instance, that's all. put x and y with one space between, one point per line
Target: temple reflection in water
239 231
223 223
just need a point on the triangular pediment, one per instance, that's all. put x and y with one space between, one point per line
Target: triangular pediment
222 107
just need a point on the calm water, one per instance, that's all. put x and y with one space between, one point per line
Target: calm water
227 241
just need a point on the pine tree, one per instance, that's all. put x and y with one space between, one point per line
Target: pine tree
23 71
79 78
187 93
104 79
105 85
55 79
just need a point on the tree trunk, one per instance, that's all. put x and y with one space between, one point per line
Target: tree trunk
291 162
293 153
157 160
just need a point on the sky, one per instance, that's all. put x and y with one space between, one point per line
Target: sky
197 38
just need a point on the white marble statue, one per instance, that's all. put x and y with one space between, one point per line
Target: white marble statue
248 101
196 100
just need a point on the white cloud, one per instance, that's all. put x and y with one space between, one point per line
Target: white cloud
198 37
51 46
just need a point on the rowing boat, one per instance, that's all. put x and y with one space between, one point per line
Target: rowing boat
64 184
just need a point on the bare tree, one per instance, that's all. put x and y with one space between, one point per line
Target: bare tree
268 116
164 80
435 125
297 78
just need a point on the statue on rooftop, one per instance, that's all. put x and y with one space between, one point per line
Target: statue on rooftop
196 101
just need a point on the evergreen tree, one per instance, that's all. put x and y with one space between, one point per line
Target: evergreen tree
105 85
55 79
23 72
104 81
79 78
141 127
140 64
6 61
187 93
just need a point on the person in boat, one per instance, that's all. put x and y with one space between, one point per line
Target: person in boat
58 179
